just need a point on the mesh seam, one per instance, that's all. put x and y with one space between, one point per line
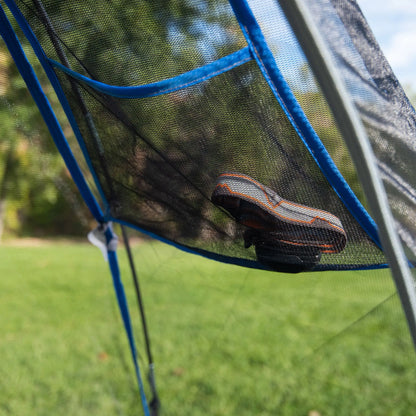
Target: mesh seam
151 90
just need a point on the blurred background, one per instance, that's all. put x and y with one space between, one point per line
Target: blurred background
227 340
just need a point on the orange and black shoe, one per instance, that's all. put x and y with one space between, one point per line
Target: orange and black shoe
287 236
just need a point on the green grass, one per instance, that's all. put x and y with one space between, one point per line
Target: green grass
226 340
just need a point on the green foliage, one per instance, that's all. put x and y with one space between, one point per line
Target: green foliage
226 340
36 191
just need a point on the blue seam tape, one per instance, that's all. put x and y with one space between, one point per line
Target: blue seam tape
20 19
252 264
125 315
236 261
297 117
168 85
47 112
34 87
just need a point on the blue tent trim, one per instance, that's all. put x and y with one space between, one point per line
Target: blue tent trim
125 315
40 54
29 76
48 114
252 264
166 86
297 117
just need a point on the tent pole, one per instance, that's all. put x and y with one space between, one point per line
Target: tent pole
155 402
355 137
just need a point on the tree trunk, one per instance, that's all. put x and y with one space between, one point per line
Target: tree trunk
2 216
7 173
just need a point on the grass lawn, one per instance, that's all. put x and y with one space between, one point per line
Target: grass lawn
226 340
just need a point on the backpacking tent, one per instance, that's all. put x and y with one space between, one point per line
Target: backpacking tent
279 140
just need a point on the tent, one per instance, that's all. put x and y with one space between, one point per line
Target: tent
273 138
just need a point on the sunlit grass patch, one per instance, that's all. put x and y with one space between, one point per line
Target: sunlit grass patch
226 340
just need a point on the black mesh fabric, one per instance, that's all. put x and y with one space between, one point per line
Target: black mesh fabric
299 75
145 41
386 113
158 158
164 172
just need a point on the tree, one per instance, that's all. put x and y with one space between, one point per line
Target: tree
32 173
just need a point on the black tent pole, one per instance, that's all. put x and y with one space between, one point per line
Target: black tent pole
155 403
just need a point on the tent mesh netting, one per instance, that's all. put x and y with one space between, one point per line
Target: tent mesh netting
157 157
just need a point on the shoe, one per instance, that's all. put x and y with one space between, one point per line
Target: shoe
286 235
